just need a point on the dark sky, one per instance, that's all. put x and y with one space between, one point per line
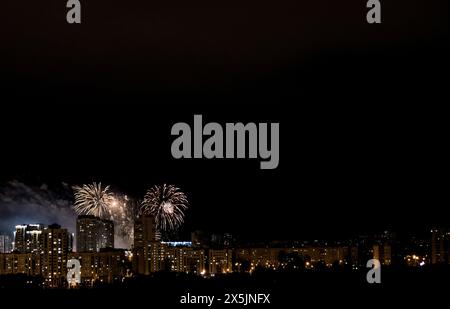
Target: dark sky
203 45
363 137
339 173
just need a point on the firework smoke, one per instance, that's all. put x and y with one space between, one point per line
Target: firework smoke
122 211
97 200
167 204
21 203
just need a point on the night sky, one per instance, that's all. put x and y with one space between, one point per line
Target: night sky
363 136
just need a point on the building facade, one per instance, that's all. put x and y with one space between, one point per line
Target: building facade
383 253
5 244
44 253
187 260
27 238
145 246
440 246
55 250
107 266
94 234
220 261
20 263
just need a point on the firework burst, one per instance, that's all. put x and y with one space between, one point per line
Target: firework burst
93 199
167 204
97 200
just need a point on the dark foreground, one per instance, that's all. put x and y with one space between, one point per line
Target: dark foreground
405 288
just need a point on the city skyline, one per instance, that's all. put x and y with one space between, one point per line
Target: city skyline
205 254
422 234
46 251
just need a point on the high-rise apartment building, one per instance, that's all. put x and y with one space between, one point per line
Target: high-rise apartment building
27 238
94 234
55 248
440 245
147 251
5 244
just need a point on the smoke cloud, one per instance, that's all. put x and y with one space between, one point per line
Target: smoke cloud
25 204
20 203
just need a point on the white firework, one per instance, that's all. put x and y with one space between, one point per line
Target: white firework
93 199
167 204
97 200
